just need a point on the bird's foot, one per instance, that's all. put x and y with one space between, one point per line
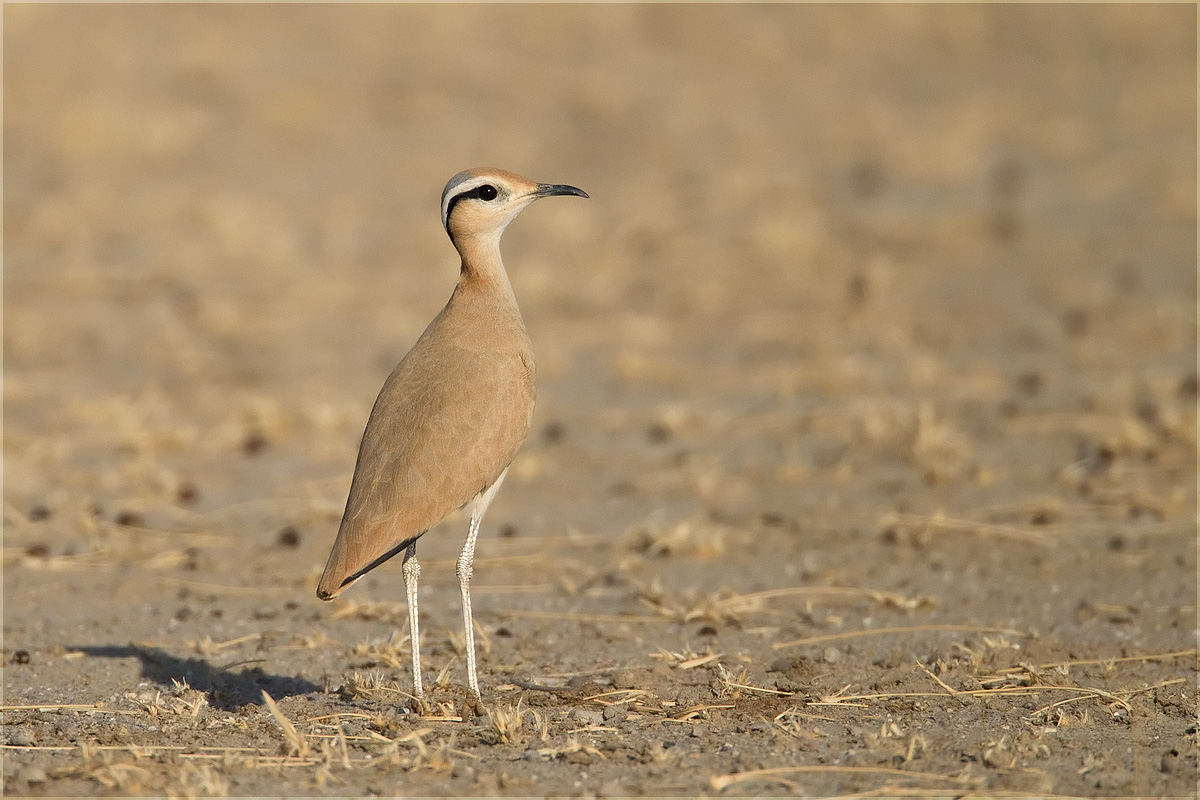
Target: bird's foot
419 705
474 705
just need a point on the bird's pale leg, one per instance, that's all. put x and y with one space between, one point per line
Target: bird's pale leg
464 570
412 571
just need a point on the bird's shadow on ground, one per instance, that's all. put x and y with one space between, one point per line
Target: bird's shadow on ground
228 688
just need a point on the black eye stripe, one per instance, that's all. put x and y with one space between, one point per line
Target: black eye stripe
478 193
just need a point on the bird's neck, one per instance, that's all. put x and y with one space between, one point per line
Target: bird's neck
482 268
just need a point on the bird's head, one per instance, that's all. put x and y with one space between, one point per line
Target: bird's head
479 203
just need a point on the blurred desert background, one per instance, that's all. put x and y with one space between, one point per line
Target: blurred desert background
865 452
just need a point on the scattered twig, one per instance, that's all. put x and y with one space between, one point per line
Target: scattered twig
699 661
762 689
628 694
940 682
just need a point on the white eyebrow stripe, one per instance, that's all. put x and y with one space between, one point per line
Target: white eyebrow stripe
453 190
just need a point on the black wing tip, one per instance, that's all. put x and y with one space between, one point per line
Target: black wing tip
330 595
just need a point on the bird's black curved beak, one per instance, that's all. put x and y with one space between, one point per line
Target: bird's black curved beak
550 189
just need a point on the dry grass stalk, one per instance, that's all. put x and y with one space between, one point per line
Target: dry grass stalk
572 745
506 722
437 759
832 637
207 647
1119 698
839 698
296 742
372 684
696 537
722 782
1066 665
687 659
890 790
735 607
699 661
345 751
202 779
938 680
574 617
393 651
442 681
792 715
121 777
761 689
625 696
701 710
95 708
940 522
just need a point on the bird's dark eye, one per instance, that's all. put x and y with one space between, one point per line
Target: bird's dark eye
487 192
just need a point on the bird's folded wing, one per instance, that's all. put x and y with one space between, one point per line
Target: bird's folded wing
439 434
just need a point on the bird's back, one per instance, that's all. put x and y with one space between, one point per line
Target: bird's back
446 424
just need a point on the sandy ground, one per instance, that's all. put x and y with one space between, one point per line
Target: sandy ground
864 459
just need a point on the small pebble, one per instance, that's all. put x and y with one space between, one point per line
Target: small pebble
21 737
553 433
187 493
1076 321
254 442
1030 383
658 433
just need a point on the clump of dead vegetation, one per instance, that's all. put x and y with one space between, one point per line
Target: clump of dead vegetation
692 537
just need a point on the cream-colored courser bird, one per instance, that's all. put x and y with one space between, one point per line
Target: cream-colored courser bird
451 416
